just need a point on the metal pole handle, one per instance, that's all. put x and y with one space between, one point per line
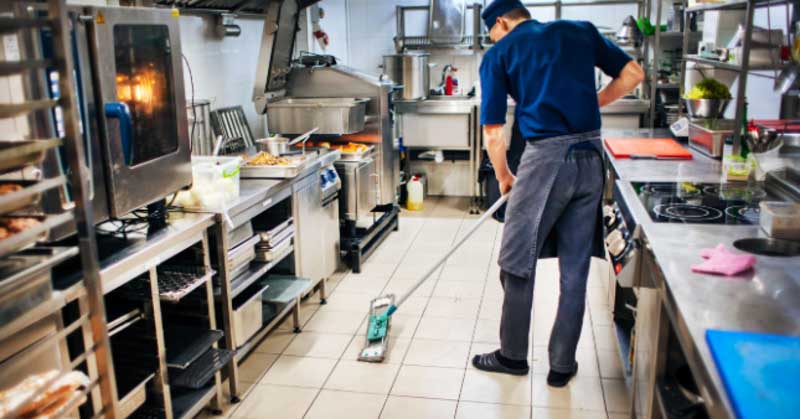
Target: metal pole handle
450 252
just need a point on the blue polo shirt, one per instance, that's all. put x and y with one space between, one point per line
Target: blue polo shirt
549 70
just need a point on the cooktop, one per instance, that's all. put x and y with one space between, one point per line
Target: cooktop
702 203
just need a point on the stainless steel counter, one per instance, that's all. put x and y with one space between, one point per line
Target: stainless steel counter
148 250
767 299
699 169
448 105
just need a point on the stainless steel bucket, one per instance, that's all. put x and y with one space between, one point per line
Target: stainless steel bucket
411 71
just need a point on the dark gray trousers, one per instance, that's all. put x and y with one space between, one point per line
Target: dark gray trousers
572 210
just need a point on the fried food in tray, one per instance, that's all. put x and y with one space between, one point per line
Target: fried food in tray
8 188
345 148
265 159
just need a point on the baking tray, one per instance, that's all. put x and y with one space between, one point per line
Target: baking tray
240 234
30 236
357 156
277 239
266 236
29 194
275 253
186 344
202 369
271 172
17 154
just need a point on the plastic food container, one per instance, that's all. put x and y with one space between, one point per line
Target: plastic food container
215 183
736 169
780 220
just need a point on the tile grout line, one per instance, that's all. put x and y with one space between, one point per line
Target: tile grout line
416 328
356 335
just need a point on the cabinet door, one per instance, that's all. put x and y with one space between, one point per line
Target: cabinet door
308 243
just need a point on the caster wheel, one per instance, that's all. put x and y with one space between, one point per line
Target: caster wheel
323 301
216 412
235 399
297 330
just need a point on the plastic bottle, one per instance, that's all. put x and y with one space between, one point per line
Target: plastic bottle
415 194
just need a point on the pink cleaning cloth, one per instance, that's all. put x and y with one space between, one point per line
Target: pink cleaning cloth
721 261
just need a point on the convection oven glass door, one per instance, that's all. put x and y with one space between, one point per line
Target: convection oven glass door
137 65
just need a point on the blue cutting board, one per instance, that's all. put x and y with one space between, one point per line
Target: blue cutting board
761 372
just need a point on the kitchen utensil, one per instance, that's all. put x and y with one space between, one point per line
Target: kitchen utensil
659 147
786 79
768 247
706 108
763 139
410 70
759 371
708 136
378 324
629 33
304 138
275 145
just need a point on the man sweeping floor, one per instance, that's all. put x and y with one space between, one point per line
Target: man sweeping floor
554 204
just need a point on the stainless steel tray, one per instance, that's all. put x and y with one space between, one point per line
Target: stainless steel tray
17 154
267 236
330 115
276 240
272 172
30 236
357 156
29 194
276 253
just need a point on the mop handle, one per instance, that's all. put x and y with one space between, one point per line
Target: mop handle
452 250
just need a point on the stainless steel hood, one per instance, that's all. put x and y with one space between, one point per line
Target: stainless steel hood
258 7
275 55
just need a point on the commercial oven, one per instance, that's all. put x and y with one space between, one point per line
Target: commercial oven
136 66
131 95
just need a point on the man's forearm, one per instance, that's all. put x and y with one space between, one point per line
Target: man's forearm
630 77
496 148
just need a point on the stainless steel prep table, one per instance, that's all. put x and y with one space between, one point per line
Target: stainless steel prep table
141 256
255 197
767 301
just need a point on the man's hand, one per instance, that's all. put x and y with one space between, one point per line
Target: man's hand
506 184
496 148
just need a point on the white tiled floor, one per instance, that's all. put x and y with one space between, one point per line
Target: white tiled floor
427 374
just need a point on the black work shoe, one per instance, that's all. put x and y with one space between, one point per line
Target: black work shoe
489 362
560 379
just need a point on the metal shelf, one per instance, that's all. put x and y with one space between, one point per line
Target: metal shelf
11 110
10 25
10 68
188 403
734 5
253 274
714 63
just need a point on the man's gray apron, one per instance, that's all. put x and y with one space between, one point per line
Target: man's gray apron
535 180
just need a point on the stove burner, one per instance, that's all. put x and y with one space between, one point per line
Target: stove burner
687 212
659 189
744 213
736 193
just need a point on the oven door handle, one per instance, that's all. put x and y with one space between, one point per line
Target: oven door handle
120 111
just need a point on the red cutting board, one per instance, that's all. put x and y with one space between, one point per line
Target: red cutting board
657 147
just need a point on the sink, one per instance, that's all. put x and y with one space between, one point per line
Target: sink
768 247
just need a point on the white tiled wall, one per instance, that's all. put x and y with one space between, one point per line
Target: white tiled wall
224 69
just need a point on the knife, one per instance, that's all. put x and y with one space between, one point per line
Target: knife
653 157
